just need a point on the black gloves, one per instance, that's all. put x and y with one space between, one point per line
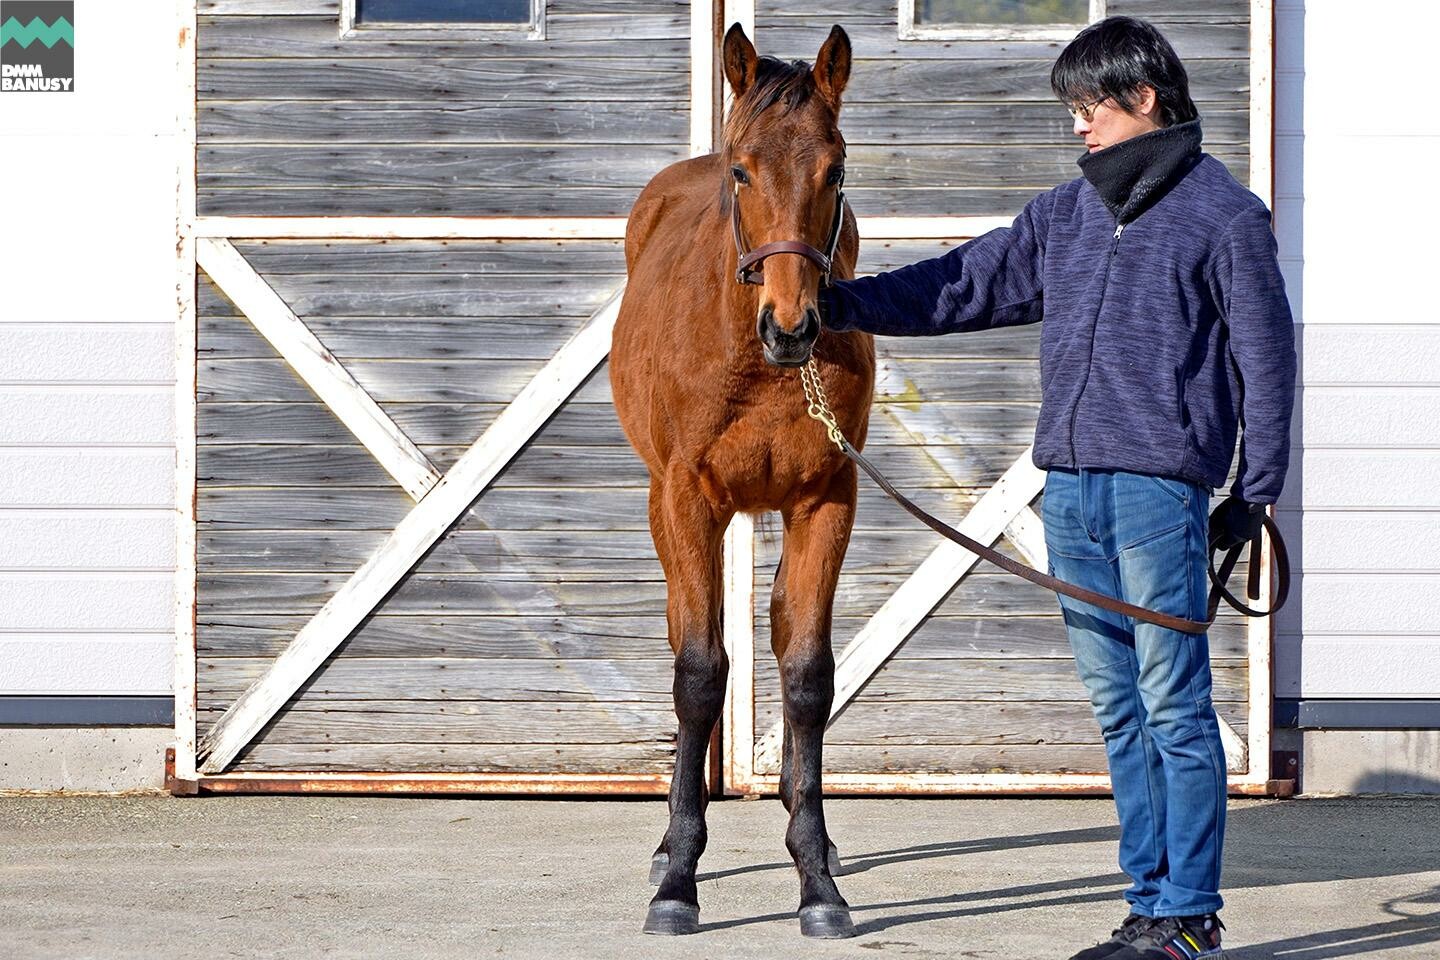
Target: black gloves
822 306
1235 522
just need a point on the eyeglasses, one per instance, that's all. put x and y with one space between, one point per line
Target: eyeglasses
1085 111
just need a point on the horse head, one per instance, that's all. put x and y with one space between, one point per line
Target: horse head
784 166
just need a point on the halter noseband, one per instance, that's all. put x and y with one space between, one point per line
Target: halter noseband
750 266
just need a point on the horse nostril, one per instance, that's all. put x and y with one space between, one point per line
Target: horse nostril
765 327
809 326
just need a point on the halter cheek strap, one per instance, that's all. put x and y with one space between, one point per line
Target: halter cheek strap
750 264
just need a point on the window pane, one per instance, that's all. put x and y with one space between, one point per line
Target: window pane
1002 11
441 11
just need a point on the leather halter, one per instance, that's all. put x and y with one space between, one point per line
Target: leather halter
749 266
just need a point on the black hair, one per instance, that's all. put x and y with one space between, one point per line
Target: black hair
1114 58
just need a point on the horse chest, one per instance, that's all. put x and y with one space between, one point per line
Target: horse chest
762 457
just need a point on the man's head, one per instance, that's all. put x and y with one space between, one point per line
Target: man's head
1121 78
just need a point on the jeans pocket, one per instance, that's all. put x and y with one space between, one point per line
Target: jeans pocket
1179 489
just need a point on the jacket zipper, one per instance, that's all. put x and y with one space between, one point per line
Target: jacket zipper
1104 286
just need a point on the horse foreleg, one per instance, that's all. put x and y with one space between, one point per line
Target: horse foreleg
816 535
693 577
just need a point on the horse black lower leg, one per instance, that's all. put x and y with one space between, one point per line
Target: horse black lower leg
808 686
700 670
787 760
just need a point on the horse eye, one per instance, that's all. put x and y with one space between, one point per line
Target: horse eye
738 172
836 173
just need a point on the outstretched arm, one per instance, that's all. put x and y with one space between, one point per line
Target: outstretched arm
992 281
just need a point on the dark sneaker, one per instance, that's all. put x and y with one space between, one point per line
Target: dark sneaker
1121 936
1176 938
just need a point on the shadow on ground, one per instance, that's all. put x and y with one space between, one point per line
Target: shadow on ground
1267 845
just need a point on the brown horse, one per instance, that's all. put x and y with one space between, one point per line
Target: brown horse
700 370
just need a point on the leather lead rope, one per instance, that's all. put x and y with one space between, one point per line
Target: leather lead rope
819 409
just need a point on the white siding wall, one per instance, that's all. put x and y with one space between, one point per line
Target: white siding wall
1356 205
87 367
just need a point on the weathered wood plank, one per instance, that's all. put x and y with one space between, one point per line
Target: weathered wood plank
965 722
1013 758
656 758
895 80
996 594
534 338
462 721
865 11
919 201
440 678
331 8
585 424
1235 11
568 637
292 465
613 34
399 338
641 637
365 258
484 166
628 122
789 37
430 295
414 122
648 72
569 508
1007 680
349 678
403 165
910 122
491 381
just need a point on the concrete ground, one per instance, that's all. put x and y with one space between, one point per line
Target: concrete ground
399 878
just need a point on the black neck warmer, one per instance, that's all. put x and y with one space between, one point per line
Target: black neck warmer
1134 173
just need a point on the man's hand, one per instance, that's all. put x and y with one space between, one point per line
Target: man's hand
822 306
1235 522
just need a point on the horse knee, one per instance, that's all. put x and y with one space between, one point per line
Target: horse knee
807 683
700 671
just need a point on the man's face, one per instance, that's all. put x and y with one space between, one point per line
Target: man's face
1108 123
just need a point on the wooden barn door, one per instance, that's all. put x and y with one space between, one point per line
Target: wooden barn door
953 676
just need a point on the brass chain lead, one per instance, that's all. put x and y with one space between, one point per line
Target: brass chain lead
818 407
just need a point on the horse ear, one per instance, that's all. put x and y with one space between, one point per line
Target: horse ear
832 65
739 58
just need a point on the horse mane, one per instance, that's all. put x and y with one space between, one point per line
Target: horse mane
790 84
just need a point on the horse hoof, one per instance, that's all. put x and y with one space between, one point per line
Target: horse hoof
658 865
833 857
672 918
826 921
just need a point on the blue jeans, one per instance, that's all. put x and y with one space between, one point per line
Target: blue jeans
1143 539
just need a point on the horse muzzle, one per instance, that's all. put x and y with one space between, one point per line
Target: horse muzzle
785 348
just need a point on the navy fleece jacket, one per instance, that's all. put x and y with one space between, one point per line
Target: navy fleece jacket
1158 341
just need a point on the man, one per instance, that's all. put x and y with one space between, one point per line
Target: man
1165 323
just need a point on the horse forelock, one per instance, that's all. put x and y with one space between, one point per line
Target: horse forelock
791 85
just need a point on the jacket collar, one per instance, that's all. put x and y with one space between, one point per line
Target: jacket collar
1131 175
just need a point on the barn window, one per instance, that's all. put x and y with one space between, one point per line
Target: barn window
442 19
996 19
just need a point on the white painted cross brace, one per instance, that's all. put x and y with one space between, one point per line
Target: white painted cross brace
317 366
415 534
